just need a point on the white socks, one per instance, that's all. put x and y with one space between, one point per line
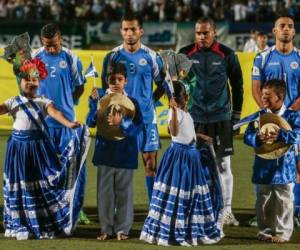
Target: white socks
226 181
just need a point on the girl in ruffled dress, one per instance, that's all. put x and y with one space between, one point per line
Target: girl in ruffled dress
181 210
37 202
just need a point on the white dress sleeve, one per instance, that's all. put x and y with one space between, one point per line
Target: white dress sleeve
10 104
44 102
179 115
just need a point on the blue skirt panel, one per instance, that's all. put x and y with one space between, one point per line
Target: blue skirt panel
181 211
39 201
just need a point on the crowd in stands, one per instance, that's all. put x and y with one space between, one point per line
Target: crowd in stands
151 10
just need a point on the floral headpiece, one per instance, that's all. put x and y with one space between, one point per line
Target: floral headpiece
32 68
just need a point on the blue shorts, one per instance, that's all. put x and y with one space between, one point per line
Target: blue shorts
148 138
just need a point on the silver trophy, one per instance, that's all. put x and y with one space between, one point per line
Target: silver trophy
19 46
176 65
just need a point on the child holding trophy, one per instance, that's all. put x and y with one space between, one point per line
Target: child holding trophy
181 210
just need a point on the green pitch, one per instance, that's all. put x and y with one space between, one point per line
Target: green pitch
241 237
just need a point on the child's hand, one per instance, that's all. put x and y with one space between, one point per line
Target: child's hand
273 135
74 124
206 138
269 137
114 118
172 103
262 136
182 74
95 94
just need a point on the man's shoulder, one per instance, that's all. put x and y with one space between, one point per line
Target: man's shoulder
68 52
296 53
223 49
187 49
266 55
114 52
39 52
148 51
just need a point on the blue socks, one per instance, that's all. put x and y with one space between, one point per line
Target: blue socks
149 186
297 198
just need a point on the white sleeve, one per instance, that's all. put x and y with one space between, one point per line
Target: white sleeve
44 103
9 103
179 115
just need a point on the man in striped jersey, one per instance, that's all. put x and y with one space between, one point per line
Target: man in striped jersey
143 65
64 85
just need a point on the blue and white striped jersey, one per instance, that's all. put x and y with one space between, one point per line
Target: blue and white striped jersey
143 66
64 74
271 64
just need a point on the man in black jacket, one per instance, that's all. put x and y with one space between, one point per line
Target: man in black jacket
216 103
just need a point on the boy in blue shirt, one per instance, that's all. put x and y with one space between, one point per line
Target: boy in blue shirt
281 61
144 66
116 160
274 179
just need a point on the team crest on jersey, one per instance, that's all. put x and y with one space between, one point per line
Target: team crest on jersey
63 64
294 65
142 62
255 71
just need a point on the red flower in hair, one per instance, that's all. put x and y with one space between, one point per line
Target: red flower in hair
34 68
41 67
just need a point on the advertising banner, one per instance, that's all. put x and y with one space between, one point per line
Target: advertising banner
9 88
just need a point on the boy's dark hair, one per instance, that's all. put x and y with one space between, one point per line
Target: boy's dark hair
50 30
179 91
278 85
117 68
130 16
207 20
261 33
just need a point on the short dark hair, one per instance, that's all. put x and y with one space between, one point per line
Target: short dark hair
50 30
284 15
117 68
206 19
179 91
130 16
278 85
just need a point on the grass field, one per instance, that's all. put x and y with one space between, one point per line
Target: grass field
241 237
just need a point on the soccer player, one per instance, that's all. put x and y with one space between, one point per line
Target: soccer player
143 65
216 69
281 61
64 84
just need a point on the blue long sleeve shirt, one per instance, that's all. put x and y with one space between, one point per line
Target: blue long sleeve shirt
283 169
118 154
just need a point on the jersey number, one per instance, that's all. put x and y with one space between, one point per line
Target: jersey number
153 135
132 68
52 71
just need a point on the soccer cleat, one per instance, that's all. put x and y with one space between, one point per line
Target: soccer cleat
83 219
230 220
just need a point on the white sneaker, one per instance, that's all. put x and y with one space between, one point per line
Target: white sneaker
230 220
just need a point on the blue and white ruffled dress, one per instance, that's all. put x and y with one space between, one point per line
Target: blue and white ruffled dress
181 211
41 198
